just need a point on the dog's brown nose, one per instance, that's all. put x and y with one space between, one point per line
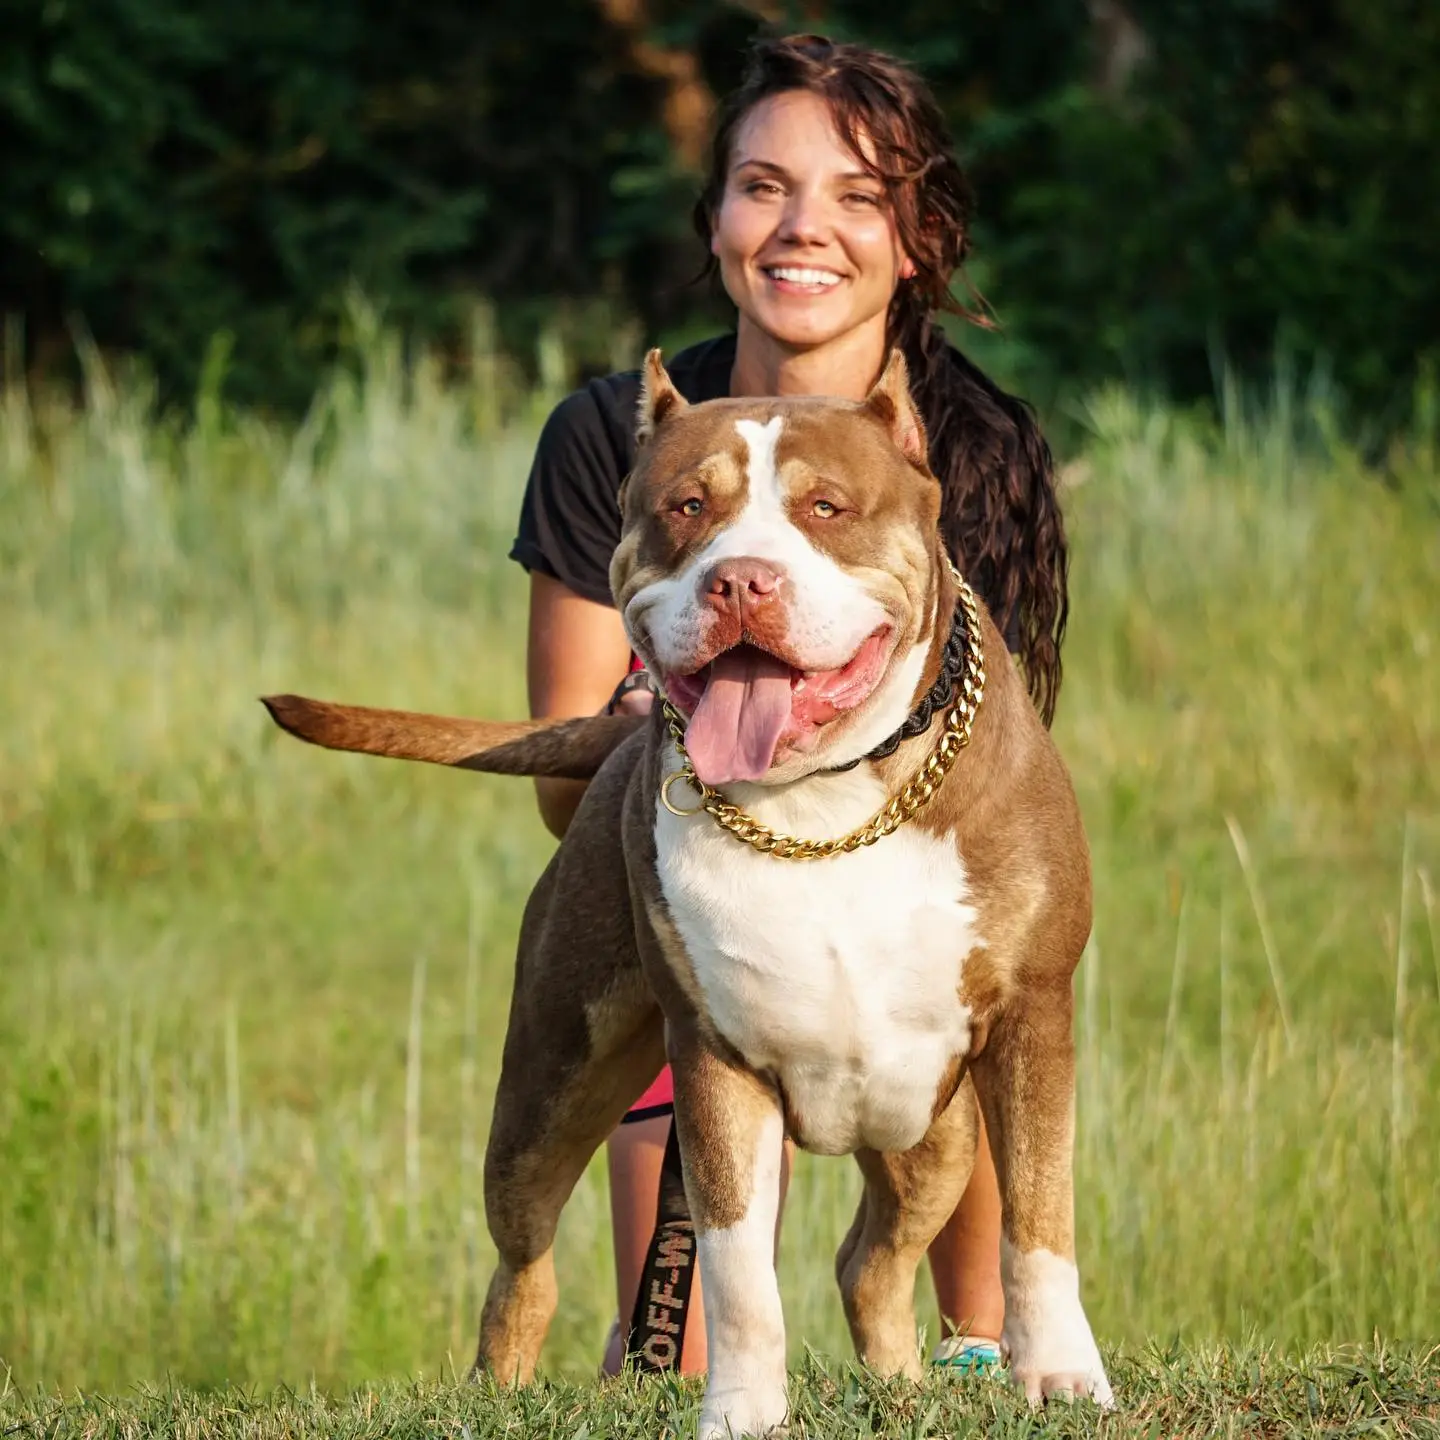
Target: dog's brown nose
739 583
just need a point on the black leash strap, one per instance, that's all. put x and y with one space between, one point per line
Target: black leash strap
662 1304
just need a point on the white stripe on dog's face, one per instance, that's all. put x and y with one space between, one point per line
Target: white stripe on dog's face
760 442
829 613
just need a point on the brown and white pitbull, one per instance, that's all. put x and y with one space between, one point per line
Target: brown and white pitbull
782 577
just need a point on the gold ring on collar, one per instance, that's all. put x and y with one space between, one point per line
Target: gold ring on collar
689 778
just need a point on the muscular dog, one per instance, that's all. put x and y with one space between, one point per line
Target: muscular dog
839 880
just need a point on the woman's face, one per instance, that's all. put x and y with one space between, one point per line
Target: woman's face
807 247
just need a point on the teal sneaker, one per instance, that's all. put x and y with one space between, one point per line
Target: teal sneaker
967 1355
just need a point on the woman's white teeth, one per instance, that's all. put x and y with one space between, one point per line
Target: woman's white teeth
795 275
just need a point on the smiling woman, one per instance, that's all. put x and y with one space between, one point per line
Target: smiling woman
837 218
806 246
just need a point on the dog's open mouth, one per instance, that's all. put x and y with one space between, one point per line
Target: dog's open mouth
746 702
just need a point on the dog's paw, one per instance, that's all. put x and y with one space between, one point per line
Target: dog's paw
1051 1350
1041 1385
759 1410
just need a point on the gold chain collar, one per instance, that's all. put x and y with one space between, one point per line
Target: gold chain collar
918 791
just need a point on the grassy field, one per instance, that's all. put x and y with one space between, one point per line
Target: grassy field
251 995
1195 1393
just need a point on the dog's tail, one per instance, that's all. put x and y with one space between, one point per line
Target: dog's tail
565 749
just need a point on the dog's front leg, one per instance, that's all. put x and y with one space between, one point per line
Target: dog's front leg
731 1140
1026 1080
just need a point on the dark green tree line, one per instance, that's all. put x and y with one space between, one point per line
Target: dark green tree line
1158 182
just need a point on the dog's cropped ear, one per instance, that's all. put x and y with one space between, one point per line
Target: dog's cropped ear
891 404
659 399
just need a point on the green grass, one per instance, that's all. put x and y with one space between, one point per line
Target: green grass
251 995
1172 1392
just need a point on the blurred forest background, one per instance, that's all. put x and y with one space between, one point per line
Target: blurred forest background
1162 183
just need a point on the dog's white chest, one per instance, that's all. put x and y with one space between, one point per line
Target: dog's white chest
840 976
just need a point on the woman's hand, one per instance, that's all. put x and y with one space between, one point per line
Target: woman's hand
633 695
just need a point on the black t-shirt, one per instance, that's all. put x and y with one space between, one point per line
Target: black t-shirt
570 519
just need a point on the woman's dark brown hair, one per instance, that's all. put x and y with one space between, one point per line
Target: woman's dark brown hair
1000 515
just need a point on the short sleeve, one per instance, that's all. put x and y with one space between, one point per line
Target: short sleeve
570 516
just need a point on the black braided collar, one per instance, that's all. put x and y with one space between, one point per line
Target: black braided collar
934 701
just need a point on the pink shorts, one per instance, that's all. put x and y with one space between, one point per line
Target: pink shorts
658 1099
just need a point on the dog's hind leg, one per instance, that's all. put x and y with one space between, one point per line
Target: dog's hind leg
908 1197
553 1110
585 1037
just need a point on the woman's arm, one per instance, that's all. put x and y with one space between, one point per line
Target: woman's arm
576 655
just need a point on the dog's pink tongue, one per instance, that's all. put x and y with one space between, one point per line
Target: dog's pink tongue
733 733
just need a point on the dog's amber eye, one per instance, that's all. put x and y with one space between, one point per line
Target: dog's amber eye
824 510
690 508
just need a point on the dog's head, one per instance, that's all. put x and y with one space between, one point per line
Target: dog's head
780 571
